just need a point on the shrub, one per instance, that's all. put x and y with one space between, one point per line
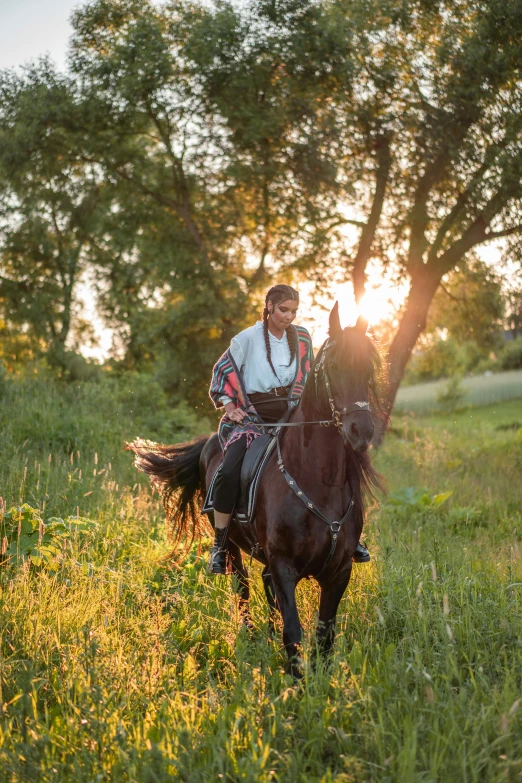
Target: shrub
413 503
78 368
442 359
486 365
451 395
510 357
25 537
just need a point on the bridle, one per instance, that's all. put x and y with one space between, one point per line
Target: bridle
320 367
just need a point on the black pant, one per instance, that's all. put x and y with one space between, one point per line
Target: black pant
226 488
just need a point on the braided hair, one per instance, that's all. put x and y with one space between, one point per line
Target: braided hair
277 294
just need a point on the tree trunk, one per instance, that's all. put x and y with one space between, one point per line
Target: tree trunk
423 288
57 350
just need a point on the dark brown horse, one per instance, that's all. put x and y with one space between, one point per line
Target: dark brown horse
321 475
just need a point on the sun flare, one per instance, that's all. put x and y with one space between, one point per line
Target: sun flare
375 306
382 300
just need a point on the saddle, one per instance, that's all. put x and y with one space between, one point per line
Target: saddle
254 463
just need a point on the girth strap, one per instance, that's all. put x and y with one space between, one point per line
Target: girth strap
334 527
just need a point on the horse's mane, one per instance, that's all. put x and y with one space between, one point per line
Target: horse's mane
357 353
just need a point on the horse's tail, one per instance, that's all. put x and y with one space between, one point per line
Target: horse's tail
174 470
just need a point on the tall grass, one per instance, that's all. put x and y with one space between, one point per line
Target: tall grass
119 665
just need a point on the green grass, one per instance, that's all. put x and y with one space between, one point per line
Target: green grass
480 390
116 666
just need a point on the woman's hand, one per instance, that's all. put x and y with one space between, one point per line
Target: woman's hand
233 413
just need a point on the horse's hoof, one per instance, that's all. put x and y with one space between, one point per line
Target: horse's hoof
296 673
248 625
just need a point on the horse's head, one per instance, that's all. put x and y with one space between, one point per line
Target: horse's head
347 364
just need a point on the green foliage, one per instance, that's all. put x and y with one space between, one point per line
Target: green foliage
514 306
142 168
417 506
440 358
414 502
481 390
449 358
468 310
3 379
451 396
470 306
50 210
119 664
26 538
510 357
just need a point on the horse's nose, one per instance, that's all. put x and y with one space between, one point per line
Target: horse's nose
359 432
354 431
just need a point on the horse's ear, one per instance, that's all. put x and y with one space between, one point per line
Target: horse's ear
335 322
362 324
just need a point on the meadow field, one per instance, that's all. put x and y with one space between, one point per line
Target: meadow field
479 390
119 664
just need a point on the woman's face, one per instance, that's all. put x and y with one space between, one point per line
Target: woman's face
282 314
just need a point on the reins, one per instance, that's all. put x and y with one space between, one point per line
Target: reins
336 419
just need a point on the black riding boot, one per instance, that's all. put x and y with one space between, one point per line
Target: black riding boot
361 554
218 556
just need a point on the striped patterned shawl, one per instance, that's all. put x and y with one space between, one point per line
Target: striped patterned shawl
227 381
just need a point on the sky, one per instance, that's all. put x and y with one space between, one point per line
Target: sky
31 28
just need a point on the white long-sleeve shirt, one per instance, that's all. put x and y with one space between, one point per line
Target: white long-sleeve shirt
248 350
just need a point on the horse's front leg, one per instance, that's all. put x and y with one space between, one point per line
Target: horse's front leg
331 594
271 599
284 579
243 587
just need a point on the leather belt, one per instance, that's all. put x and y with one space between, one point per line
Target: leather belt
279 391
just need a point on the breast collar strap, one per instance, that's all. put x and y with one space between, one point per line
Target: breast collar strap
334 526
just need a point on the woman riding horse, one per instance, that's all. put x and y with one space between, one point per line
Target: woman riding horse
257 380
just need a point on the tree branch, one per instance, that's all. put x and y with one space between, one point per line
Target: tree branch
382 149
463 198
505 233
346 221
475 234
434 173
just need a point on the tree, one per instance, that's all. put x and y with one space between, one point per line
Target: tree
142 121
227 186
422 106
441 101
470 305
514 311
271 71
50 209
237 141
